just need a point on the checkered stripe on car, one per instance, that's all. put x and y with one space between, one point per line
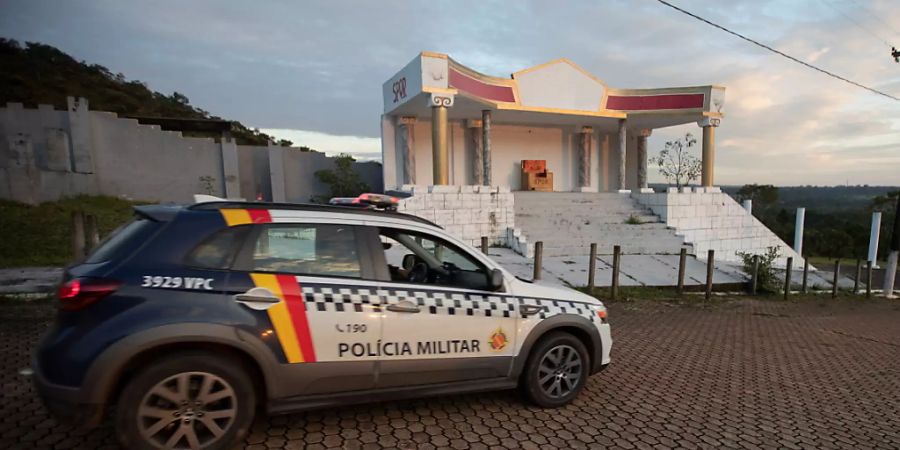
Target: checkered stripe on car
320 298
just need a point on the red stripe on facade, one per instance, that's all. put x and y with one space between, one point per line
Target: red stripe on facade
260 215
653 102
481 89
290 289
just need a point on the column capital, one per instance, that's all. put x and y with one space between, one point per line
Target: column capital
586 130
646 132
445 100
709 122
474 123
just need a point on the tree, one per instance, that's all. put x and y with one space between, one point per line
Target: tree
343 181
885 203
760 194
676 163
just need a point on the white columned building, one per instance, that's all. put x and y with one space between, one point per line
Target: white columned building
446 124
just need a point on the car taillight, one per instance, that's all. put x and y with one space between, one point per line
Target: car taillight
78 293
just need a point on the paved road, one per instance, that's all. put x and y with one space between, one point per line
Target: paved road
742 374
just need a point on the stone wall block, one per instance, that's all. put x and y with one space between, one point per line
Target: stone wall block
462 216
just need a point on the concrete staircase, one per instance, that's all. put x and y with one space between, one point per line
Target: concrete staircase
568 222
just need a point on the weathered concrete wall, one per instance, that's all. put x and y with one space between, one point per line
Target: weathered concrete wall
712 220
146 163
467 212
47 154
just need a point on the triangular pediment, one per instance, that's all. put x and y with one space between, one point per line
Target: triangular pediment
560 84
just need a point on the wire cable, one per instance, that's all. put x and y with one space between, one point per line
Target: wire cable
887 26
779 52
857 24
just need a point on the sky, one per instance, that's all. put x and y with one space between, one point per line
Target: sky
312 71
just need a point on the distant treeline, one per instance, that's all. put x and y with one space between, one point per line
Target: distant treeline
838 218
35 73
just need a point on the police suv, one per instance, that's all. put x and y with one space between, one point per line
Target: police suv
189 319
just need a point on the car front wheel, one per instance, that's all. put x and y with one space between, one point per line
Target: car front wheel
556 371
188 401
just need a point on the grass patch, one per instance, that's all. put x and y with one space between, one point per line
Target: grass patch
41 235
694 294
630 293
634 220
827 263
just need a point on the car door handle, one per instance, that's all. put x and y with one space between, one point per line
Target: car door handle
403 307
257 298
529 310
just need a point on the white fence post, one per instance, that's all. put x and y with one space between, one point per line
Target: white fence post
798 231
873 237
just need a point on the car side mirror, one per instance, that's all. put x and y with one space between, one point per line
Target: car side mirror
496 279
409 260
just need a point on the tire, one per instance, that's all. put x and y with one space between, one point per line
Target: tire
550 386
152 409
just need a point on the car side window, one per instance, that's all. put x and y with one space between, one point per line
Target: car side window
216 251
314 249
420 258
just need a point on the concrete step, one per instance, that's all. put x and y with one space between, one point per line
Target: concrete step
649 238
581 251
642 241
585 214
567 223
532 195
593 227
579 211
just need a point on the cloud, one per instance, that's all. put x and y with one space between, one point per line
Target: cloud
317 67
363 148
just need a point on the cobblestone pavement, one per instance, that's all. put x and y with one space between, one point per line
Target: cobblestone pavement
739 374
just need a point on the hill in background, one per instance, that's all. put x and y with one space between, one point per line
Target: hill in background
42 74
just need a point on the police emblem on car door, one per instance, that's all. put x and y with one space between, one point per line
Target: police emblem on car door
441 314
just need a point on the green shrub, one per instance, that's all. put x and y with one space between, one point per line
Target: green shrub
633 220
765 278
40 235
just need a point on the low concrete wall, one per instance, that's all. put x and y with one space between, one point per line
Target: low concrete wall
711 220
467 212
47 154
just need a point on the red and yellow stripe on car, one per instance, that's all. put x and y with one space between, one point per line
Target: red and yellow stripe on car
235 217
288 316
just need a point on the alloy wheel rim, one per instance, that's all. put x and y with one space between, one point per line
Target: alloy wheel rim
189 410
559 371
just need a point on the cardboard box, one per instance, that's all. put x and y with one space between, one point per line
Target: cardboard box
537 181
534 165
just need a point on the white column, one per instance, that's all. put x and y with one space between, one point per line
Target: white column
891 270
406 138
622 137
440 145
642 159
707 177
798 231
486 145
584 159
474 126
890 274
873 237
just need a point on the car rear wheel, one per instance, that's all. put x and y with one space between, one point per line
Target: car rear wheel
556 370
188 401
